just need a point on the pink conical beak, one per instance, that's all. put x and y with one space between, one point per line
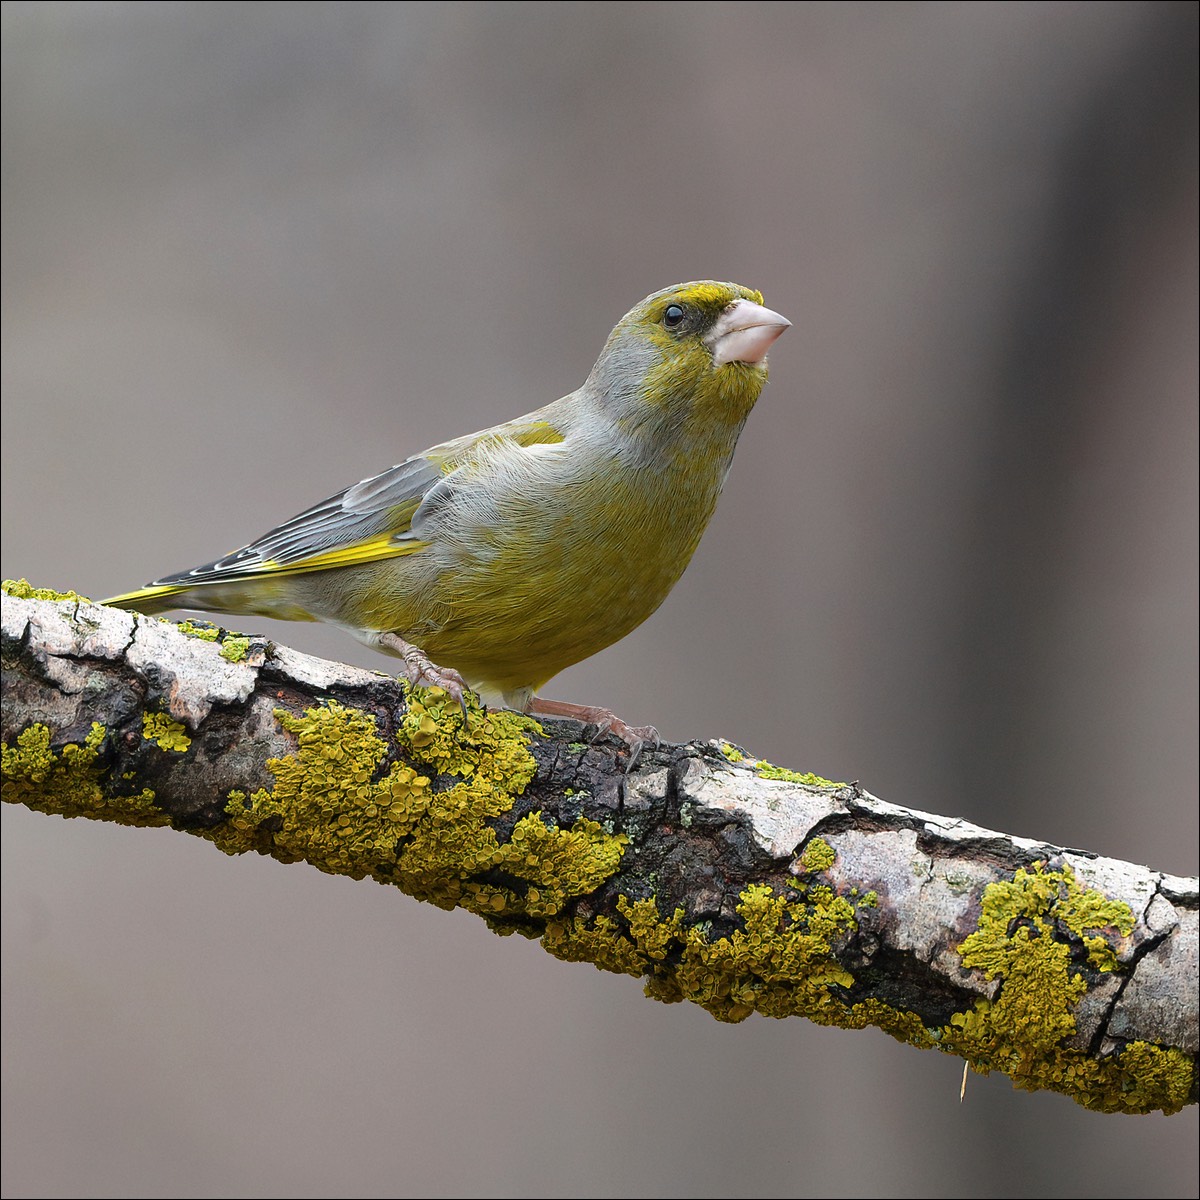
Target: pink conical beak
744 332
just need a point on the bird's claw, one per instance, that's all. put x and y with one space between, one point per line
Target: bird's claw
450 681
421 671
636 737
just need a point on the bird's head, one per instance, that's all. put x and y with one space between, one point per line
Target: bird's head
692 351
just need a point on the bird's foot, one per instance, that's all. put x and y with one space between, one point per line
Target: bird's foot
421 671
636 737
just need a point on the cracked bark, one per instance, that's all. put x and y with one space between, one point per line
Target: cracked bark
701 827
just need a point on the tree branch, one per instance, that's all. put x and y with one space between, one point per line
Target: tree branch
715 877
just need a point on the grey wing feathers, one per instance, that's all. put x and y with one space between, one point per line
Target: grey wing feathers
408 480
363 511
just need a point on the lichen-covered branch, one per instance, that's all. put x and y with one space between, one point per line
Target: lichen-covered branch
713 876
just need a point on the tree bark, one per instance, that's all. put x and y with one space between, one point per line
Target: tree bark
711 875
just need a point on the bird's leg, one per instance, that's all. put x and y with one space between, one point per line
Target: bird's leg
636 737
421 671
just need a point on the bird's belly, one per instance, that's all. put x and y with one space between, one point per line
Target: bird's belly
529 606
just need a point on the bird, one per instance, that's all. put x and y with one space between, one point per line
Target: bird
492 562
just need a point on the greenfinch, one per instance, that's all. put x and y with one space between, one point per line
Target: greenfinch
505 556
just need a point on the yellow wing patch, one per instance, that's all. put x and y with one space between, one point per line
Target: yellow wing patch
539 433
371 550
453 455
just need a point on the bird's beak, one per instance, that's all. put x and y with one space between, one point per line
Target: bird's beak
744 333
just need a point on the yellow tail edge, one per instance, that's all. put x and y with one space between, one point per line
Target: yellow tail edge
148 599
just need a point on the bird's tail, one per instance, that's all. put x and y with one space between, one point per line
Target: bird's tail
264 597
154 599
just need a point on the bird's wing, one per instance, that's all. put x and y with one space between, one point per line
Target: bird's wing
370 521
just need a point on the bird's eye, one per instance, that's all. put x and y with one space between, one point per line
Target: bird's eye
673 317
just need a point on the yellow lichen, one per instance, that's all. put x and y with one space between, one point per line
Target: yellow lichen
66 782
652 935
234 648
22 589
203 630
903 1026
817 856
1147 1076
165 733
1015 941
333 805
1021 1032
600 942
766 770
435 826
779 963
330 806
1024 938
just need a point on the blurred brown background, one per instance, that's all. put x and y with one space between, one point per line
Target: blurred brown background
255 252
